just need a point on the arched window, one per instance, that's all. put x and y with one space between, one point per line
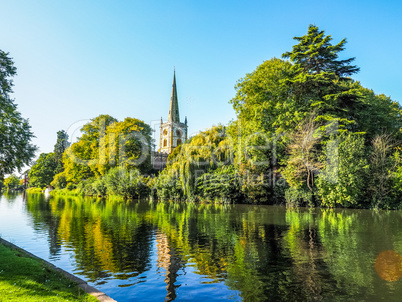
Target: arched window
178 141
164 142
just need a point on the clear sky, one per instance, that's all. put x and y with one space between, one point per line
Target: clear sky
79 59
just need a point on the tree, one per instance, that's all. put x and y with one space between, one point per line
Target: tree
314 54
59 148
81 159
106 143
275 132
204 152
43 171
11 182
16 149
383 165
303 162
343 180
321 82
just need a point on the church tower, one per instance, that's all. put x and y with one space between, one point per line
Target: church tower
173 132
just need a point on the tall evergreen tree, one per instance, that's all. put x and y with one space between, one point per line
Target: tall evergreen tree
59 148
16 149
315 54
321 81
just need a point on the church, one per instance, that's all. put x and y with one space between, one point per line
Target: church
172 132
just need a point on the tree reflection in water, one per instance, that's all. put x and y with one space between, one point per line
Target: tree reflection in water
260 252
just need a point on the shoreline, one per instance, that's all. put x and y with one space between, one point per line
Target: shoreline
101 296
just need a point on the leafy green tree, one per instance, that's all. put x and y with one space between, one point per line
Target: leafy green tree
43 171
379 115
222 184
59 181
16 149
204 152
107 143
265 110
274 103
321 81
124 182
383 166
128 144
81 159
11 182
59 148
343 180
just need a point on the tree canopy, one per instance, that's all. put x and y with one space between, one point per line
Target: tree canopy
16 149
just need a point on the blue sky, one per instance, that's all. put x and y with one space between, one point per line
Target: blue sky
79 59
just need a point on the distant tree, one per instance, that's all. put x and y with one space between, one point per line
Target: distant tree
106 143
11 182
81 158
43 171
16 149
59 148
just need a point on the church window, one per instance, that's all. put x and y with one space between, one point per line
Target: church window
165 132
178 141
164 142
178 133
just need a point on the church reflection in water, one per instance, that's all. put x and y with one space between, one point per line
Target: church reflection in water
170 260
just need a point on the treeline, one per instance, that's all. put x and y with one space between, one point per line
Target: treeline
306 133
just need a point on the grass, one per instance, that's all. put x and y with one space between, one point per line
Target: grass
26 279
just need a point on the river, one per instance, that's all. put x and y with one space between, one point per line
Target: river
150 251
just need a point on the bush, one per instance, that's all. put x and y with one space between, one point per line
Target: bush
99 186
126 183
59 181
70 186
220 185
168 187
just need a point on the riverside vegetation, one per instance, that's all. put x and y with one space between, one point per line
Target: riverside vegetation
306 133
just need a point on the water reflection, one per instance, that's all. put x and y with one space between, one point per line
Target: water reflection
242 252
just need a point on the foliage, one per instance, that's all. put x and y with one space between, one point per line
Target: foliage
43 171
306 132
222 184
59 181
343 180
303 161
287 112
11 182
106 143
16 149
168 186
204 152
80 160
384 165
126 183
59 148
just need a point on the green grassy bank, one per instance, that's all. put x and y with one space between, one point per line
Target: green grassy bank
26 279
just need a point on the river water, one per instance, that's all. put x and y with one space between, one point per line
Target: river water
149 251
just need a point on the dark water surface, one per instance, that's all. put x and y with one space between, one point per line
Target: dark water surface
147 251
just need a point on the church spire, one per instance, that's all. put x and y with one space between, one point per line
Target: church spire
174 104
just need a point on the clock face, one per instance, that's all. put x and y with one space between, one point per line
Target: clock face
178 133
165 132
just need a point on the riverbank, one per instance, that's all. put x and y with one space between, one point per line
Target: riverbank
24 277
